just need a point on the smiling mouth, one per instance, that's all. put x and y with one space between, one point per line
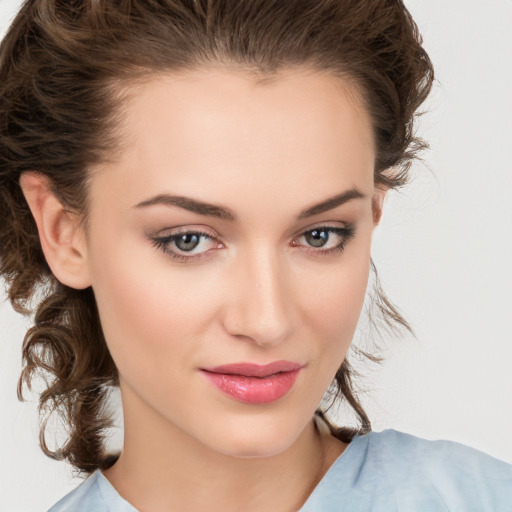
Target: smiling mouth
252 383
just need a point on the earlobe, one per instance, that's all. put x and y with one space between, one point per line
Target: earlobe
61 235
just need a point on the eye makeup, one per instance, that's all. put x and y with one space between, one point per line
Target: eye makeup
180 245
322 235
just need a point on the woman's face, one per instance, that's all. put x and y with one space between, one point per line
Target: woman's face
234 230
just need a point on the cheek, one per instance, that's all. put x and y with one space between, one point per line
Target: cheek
335 304
333 312
143 306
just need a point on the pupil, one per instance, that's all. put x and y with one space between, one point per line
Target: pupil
187 242
317 238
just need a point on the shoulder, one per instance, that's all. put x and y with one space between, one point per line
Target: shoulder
457 476
95 494
86 496
395 472
404 450
412 456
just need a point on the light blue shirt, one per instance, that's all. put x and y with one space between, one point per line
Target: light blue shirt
379 472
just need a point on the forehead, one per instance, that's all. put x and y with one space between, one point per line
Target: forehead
216 133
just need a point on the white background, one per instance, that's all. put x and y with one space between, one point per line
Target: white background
444 252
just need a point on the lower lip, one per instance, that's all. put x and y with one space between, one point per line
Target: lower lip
254 390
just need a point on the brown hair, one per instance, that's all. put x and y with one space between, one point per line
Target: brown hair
61 65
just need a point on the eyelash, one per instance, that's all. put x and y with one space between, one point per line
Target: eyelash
162 243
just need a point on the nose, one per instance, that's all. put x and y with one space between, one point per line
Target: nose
260 300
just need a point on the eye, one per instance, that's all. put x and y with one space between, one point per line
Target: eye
326 239
187 245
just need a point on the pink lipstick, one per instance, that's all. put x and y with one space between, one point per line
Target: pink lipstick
253 383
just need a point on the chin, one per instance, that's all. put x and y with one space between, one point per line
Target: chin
258 449
259 440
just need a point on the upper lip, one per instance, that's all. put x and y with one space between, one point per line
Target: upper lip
255 370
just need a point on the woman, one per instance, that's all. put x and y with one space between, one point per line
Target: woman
194 186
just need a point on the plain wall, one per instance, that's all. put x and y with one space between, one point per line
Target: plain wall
444 253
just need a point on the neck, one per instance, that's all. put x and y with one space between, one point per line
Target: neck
162 468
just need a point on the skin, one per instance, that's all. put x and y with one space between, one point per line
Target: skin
259 292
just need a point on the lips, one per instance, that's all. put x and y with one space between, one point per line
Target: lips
252 383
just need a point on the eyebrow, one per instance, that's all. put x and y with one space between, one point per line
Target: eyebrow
221 212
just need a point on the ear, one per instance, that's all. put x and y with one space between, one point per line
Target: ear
378 199
61 235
